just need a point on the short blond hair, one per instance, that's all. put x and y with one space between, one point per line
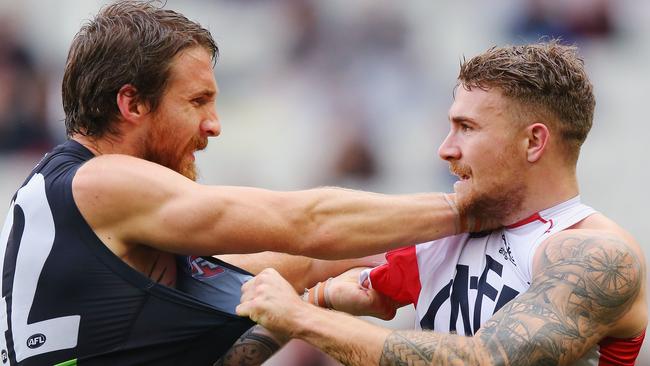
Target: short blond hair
548 80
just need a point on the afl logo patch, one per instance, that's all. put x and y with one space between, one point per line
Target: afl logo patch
36 340
202 268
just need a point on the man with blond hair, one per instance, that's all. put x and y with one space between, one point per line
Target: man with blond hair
559 284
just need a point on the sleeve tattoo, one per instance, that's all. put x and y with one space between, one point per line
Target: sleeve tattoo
251 349
584 285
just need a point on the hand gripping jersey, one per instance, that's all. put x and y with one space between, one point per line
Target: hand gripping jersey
68 300
459 282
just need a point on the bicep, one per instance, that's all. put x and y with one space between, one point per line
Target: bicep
211 220
584 283
131 201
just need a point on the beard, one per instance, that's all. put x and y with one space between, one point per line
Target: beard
496 199
161 148
498 203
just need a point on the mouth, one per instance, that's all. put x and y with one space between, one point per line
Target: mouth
463 173
199 145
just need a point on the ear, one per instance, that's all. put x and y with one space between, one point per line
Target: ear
130 106
538 137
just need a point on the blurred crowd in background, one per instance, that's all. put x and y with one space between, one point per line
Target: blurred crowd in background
351 93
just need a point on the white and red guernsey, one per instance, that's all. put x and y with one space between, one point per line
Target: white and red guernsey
459 282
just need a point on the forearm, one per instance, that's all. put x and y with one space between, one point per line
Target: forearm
430 348
353 224
344 293
270 301
253 348
355 342
324 223
344 337
302 272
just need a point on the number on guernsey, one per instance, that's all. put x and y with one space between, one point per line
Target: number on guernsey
26 240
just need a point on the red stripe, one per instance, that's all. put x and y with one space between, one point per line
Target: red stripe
528 220
399 277
620 351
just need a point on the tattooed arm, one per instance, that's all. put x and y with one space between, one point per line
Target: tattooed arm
252 348
585 284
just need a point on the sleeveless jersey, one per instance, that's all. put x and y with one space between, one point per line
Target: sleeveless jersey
457 283
68 300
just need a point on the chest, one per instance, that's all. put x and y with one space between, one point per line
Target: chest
476 278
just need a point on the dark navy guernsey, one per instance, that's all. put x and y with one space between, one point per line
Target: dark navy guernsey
67 299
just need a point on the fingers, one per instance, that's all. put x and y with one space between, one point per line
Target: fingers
269 300
261 292
244 307
249 290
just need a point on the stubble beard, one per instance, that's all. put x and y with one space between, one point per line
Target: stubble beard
497 204
500 199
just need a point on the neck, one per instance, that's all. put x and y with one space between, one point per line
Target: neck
545 191
107 144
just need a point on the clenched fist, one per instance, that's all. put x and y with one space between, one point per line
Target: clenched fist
269 300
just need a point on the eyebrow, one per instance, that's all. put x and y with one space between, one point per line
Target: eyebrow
460 119
204 93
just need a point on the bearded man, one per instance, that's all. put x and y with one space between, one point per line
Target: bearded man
107 246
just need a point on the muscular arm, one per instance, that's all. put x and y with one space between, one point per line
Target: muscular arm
302 272
585 282
258 344
130 201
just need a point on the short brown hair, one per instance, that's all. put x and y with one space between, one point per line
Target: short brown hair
128 42
548 79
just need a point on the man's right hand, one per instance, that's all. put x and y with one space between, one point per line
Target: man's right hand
345 294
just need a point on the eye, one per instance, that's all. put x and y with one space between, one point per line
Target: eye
464 127
199 101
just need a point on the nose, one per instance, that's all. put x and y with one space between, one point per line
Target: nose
211 126
449 150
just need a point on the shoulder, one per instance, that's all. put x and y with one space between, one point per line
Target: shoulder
118 177
603 270
116 192
604 231
106 169
571 243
